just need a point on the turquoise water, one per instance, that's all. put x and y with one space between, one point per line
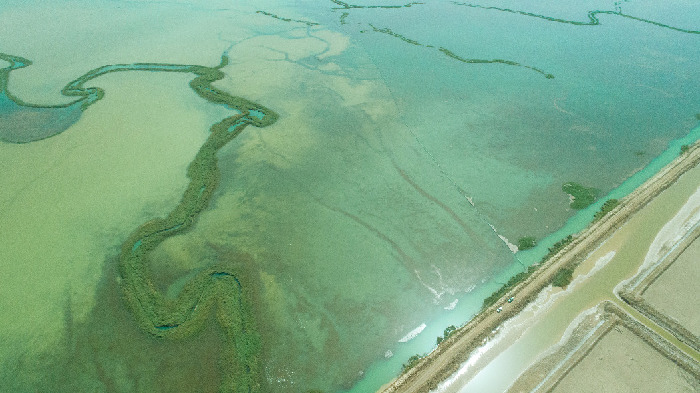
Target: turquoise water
409 138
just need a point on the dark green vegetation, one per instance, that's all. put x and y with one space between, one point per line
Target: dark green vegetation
345 6
685 149
607 207
558 246
592 17
216 290
399 36
287 19
526 243
446 334
515 280
494 297
582 196
454 56
563 277
17 62
412 361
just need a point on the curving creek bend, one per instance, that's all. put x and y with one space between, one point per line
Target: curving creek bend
215 289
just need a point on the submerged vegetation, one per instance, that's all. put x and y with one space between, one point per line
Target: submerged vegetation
527 242
454 56
347 6
306 22
581 196
592 17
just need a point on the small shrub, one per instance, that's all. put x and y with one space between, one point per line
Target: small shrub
685 148
493 298
447 333
607 207
558 246
412 361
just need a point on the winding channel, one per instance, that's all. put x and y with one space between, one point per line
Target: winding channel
216 289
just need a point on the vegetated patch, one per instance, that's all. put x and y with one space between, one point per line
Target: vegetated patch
493 298
607 207
563 277
446 334
685 149
526 242
412 362
582 196
558 246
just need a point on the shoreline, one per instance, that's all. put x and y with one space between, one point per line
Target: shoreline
446 359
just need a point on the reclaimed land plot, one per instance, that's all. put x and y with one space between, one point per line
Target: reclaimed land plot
609 351
667 292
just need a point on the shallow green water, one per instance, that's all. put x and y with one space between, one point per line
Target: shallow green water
408 139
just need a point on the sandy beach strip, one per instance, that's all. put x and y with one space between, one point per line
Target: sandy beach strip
447 358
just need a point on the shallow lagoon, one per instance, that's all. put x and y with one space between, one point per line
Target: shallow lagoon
363 212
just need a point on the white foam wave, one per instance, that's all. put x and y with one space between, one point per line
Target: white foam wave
513 248
413 333
452 305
